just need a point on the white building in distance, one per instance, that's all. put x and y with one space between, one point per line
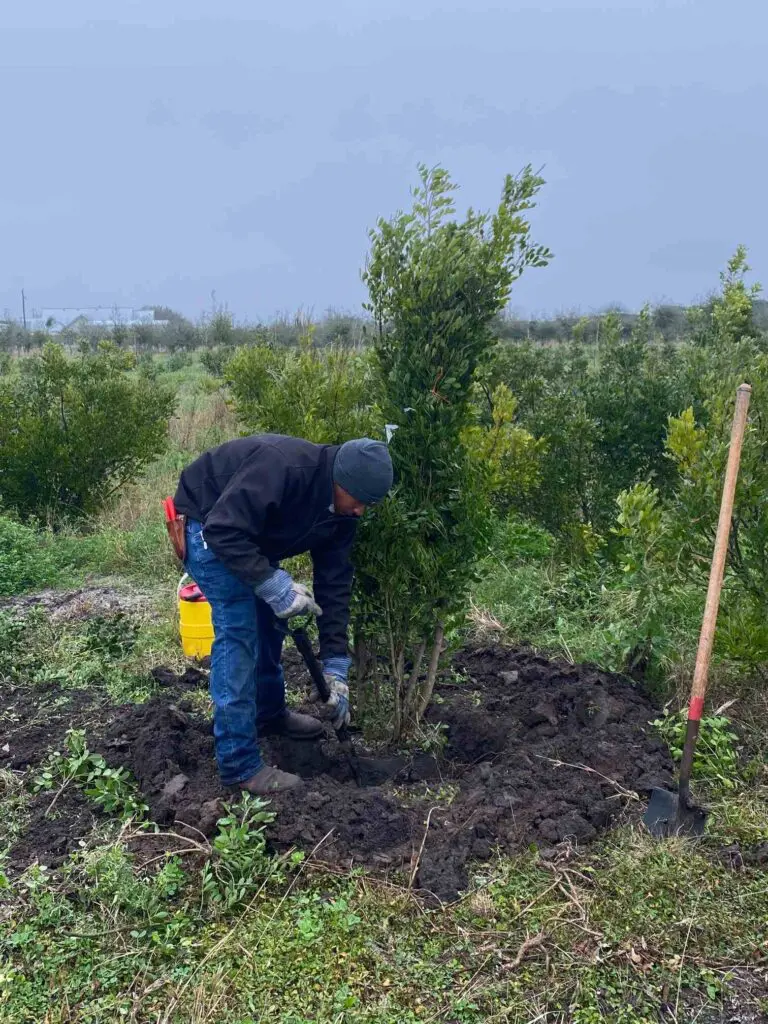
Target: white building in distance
72 318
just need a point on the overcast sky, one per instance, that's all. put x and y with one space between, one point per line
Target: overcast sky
156 152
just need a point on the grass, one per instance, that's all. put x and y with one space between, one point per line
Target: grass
635 932
582 613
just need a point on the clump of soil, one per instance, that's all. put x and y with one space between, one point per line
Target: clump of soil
190 679
536 752
170 753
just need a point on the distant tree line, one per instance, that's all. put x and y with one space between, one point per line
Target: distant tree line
175 333
669 323
218 330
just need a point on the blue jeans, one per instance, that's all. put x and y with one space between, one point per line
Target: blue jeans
247 682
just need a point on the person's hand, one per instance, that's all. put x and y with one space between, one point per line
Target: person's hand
302 603
287 598
336 708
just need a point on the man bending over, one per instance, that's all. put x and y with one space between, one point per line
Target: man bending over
250 503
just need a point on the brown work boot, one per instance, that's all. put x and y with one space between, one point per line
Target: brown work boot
292 724
270 780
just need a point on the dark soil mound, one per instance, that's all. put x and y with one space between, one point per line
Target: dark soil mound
536 752
57 823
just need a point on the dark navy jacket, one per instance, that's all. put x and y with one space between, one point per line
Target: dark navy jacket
267 497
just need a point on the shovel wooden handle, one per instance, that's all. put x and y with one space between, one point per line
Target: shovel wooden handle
707 636
304 647
315 669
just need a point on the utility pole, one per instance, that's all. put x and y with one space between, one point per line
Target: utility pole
23 309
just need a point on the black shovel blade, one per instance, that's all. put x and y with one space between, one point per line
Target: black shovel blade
665 817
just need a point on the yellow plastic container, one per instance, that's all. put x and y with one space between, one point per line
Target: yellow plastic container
195 625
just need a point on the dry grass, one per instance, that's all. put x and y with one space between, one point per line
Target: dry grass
204 419
204 416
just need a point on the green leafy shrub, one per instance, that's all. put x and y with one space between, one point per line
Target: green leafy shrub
637 382
179 360
215 359
675 528
326 395
148 366
515 539
600 417
74 429
504 454
435 285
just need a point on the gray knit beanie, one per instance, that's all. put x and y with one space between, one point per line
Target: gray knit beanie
364 469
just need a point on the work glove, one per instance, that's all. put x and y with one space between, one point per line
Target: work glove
302 603
336 708
285 597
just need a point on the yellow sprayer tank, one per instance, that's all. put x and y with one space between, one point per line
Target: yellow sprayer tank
195 623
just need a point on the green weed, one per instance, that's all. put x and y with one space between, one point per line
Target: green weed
112 789
716 759
26 560
240 863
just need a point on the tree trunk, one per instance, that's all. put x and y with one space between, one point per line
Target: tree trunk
397 725
376 682
362 654
398 672
429 683
410 693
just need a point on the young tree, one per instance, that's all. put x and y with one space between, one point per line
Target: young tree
74 429
435 285
675 531
325 395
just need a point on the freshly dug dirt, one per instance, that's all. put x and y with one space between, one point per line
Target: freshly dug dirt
536 752
57 825
34 720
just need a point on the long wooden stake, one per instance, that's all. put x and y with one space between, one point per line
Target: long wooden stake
707 636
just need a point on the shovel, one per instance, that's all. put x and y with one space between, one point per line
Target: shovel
675 813
303 644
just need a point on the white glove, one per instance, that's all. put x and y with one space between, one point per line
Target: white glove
336 708
302 603
285 597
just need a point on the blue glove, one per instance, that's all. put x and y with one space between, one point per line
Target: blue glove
336 708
